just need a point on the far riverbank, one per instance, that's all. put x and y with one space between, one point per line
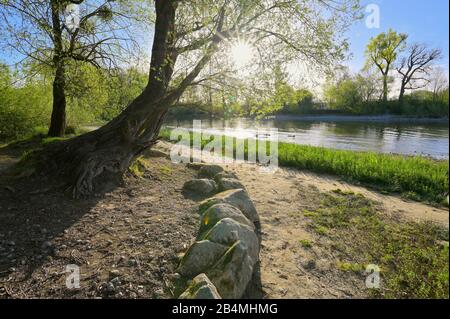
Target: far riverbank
359 118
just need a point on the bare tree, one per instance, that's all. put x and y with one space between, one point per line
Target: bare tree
43 32
415 68
438 81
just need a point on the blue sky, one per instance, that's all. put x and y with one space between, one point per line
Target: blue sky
426 21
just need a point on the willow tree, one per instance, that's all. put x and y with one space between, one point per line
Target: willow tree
54 33
382 52
187 35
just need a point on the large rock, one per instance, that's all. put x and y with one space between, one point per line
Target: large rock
222 175
233 272
201 256
218 212
203 187
238 198
209 171
228 231
226 184
201 288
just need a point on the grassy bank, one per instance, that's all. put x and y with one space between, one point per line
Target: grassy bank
417 178
412 257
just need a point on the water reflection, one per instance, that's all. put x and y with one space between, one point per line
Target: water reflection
401 138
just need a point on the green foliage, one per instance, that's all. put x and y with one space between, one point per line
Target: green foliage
357 95
93 96
138 168
260 87
305 243
424 103
122 89
384 48
22 108
344 96
382 51
300 102
344 266
417 104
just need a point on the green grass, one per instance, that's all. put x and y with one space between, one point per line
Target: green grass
138 168
305 243
417 178
166 170
346 267
413 257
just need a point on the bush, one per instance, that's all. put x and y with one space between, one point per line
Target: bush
22 110
93 96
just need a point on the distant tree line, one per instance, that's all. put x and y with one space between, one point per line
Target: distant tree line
398 78
393 63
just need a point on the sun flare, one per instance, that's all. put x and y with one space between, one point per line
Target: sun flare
242 53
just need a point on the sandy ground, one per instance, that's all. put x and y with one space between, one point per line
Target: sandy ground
287 269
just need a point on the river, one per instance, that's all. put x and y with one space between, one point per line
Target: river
383 135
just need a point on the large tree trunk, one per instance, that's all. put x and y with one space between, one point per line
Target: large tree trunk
93 160
96 159
58 120
402 93
385 88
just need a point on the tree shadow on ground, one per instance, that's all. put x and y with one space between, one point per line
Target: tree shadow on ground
140 229
33 213
38 218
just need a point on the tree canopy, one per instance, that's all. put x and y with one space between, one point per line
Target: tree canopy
382 51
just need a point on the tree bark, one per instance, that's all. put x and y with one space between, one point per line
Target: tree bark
92 161
402 92
385 88
58 119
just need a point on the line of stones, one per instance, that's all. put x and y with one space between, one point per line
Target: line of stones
221 263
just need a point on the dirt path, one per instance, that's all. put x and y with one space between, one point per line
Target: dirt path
6 160
286 178
290 270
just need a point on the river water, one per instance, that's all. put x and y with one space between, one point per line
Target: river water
390 136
